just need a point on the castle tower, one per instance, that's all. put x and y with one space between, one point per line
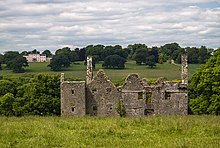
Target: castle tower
89 75
184 74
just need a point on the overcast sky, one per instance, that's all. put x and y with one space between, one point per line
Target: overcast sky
53 24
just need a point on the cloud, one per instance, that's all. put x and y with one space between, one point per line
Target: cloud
51 24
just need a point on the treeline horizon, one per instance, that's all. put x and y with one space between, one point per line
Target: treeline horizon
113 56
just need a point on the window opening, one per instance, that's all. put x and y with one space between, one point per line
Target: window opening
94 108
73 109
73 91
167 95
140 95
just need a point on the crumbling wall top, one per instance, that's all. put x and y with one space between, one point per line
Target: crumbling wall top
101 75
133 82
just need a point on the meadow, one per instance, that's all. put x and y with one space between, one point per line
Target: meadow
78 70
149 131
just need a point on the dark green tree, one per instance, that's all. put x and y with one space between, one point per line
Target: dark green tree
171 51
204 87
140 55
7 86
150 61
133 48
82 54
47 53
15 61
114 61
62 59
58 61
140 58
17 64
34 52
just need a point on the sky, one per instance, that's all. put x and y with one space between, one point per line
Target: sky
52 24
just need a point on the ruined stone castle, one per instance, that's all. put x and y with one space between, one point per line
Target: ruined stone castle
98 96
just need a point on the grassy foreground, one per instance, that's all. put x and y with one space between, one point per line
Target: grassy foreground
153 131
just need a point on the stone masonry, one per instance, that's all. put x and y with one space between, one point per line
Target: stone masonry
98 96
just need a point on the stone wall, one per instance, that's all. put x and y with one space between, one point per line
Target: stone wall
133 95
170 98
102 96
73 98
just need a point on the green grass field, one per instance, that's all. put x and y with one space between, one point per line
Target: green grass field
151 131
78 70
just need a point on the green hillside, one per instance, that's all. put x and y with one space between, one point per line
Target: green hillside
78 70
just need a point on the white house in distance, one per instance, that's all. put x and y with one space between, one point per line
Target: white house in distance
36 58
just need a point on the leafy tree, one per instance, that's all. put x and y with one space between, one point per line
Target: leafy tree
198 55
82 54
15 61
114 61
47 53
140 58
150 61
59 61
154 51
7 86
17 64
10 55
171 51
133 49
24 53
34 52
62 58
6 104
204 87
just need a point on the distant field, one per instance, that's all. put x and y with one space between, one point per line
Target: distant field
151 131
78 70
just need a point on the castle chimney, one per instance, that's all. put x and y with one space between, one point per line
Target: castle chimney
62 78
89 75
184 74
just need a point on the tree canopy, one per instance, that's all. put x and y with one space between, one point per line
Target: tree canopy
204 87
47 53
62 58
15 61
34 95
114 61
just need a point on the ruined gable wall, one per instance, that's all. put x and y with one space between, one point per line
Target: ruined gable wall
73 98
102 96
133 95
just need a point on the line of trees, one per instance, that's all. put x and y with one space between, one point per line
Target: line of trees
143 55
112 56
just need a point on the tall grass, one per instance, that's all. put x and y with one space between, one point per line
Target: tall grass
152 131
